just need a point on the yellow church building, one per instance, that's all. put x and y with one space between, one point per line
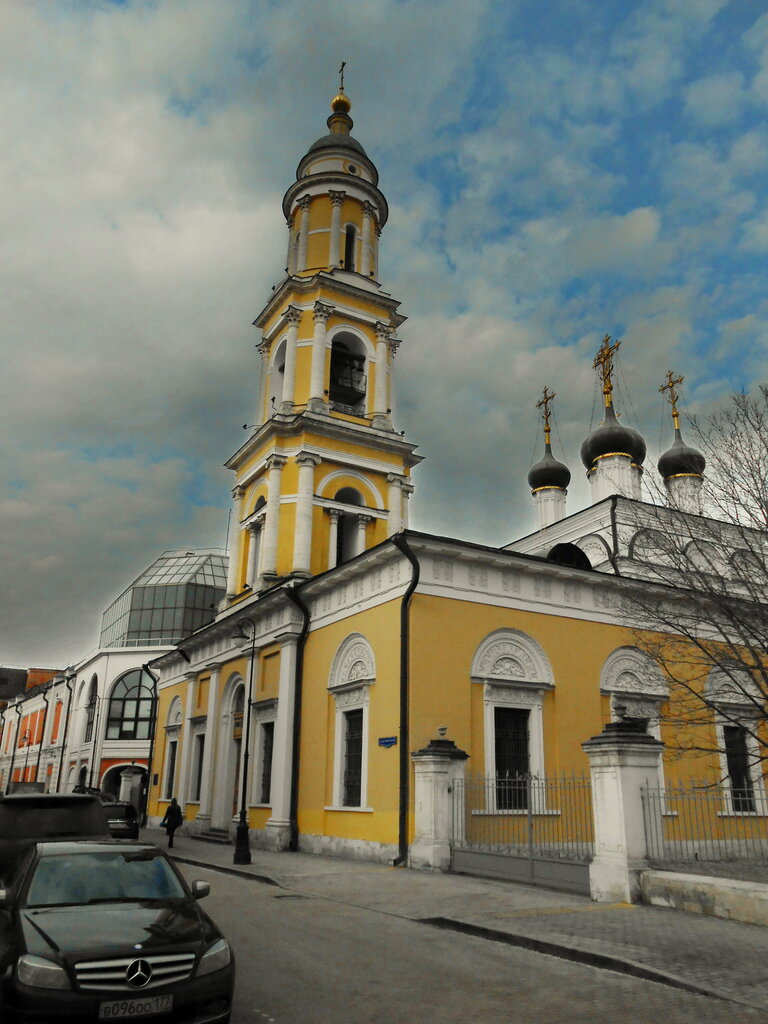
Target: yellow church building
346 641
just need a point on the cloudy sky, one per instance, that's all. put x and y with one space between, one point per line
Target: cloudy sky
555 171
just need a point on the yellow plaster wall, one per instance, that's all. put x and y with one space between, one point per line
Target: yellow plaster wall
381 627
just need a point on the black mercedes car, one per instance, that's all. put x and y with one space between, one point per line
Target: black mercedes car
97 931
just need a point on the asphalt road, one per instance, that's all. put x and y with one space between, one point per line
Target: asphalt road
310 960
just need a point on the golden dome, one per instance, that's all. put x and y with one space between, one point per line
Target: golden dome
340 104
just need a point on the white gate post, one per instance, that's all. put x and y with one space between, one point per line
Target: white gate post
437 768
622 759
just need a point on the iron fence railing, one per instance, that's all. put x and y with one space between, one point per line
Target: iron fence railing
525 816
689 825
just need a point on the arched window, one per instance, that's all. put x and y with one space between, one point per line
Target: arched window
569 554
90 710
350 237
131 706
347 529
276 377
348 381
353 673
295 253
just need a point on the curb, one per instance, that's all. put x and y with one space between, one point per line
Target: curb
264 879
587 957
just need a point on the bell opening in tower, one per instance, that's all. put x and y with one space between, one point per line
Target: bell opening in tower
348 382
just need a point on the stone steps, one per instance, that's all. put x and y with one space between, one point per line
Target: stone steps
213 835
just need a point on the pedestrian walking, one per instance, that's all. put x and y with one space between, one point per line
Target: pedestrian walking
172 820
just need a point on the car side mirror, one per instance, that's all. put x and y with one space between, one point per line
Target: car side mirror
200 889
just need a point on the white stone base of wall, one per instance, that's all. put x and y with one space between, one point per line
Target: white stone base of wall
728 898
352 849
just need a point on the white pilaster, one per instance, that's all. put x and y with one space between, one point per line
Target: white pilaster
334 514
685 491
437 769
184 756
260 411
615 474
292 315
381 418
301 259
289 255
235 540
209 750
549 503
365 255
302 541
337 201
254 530
407 491
322 312
269 541
395 500
279 824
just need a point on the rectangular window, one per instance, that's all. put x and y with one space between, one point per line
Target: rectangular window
170 772
197 771
737 760
267 741
353 757
512 758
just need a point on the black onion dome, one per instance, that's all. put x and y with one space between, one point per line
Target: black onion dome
334 141
681 459
611 438
548 472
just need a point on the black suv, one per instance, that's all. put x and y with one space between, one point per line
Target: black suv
27 818
123 820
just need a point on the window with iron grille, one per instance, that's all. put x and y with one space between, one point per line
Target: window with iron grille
735 741
353 757
170 777
197 784
512 758
267 741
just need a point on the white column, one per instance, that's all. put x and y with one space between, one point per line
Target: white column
334 514
279 824
254 529
209 750
622 759
406 491
234 540
268 567
381 410
375 267
395 500
301 260
302 540
362 523
322 312
337 201
292 316
263 350
365 255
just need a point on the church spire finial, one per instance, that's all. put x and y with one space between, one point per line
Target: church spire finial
340 103
604 365
671 386
544 404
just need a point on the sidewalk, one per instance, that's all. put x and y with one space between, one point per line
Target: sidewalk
723 959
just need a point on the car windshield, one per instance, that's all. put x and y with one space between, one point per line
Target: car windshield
69 879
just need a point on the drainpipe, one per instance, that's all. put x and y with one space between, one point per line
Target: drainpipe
68 684
402 545
150 755
293 596
44 695
17 709
614 536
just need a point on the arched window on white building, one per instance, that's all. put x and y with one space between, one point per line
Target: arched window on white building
353 672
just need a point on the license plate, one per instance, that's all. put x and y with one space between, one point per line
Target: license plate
142 1006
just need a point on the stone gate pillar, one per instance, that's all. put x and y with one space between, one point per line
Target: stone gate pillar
622 759
437 767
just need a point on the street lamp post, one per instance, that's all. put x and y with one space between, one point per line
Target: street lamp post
242 843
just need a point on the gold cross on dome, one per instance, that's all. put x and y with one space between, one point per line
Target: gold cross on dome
543 404
604 365
671 386
341 76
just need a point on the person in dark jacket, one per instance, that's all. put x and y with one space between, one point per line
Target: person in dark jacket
172 820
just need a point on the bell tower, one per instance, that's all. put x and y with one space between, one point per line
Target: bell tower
324 475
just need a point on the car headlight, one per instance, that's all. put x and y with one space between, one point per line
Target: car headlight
37 972
216 958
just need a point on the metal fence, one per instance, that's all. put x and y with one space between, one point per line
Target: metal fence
525 817
704 825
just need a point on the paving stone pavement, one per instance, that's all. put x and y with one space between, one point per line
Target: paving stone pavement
723 958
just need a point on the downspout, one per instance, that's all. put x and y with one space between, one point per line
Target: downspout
150 755
44 695
290 591
614 556
402 545
68 684
17 709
